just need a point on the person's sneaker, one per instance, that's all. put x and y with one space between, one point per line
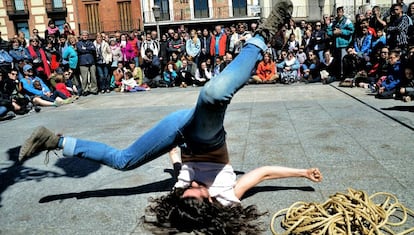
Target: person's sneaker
41 139
280 15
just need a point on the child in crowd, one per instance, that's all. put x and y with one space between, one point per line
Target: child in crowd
61 86
130 85
117 76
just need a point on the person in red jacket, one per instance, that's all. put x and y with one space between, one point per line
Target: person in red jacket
266 71
218 45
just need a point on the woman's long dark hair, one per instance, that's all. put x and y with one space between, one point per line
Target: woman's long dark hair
170 214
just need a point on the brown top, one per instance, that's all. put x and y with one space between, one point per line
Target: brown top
220 155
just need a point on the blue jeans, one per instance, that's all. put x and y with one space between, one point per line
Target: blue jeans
199 129
103 76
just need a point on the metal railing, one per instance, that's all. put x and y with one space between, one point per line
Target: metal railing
55 5
16 7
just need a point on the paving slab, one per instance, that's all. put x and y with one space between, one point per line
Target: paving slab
356 140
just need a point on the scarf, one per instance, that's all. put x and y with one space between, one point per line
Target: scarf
45 67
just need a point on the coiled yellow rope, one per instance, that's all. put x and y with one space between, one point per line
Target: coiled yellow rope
350 214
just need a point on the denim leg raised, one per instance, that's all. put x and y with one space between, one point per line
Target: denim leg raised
202 126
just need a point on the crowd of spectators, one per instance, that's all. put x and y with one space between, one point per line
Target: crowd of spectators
374 51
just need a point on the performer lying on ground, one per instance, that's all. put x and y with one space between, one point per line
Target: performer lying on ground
206 197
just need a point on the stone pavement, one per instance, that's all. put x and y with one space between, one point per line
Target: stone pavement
356 140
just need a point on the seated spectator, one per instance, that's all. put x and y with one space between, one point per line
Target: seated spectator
228 58
11 89
72 88
217 66
288 69
311 68
39 91
407 86
202 75
136 72
329 69
170 74
130 85
266 71
61 85
117 76
151 66
387 84
176 59
186 74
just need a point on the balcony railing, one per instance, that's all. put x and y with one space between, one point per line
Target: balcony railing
17 9
55 8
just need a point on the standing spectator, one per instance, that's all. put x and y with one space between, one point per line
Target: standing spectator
303 27
292 44
18 53
87 54
70 55
149 43
39 59
376 20
116 53
341 31
151 66
176 45
22 38
306 41
34 35
193 46
293 29
103 60
135 45
52 32
205 41
218 43
397 31
318 40
266 71
232 39
243 36
163 53
67 30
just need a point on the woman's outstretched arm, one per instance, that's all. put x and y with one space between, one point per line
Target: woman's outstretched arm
254 177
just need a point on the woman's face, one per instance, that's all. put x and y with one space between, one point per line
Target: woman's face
203 65
170 66
123 37
197 191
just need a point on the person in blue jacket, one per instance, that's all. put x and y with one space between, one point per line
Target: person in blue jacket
389 83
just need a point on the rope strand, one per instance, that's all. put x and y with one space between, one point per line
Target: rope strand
350 214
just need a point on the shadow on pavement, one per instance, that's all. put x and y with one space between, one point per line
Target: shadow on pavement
159 186
259 189
17 172
401 108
